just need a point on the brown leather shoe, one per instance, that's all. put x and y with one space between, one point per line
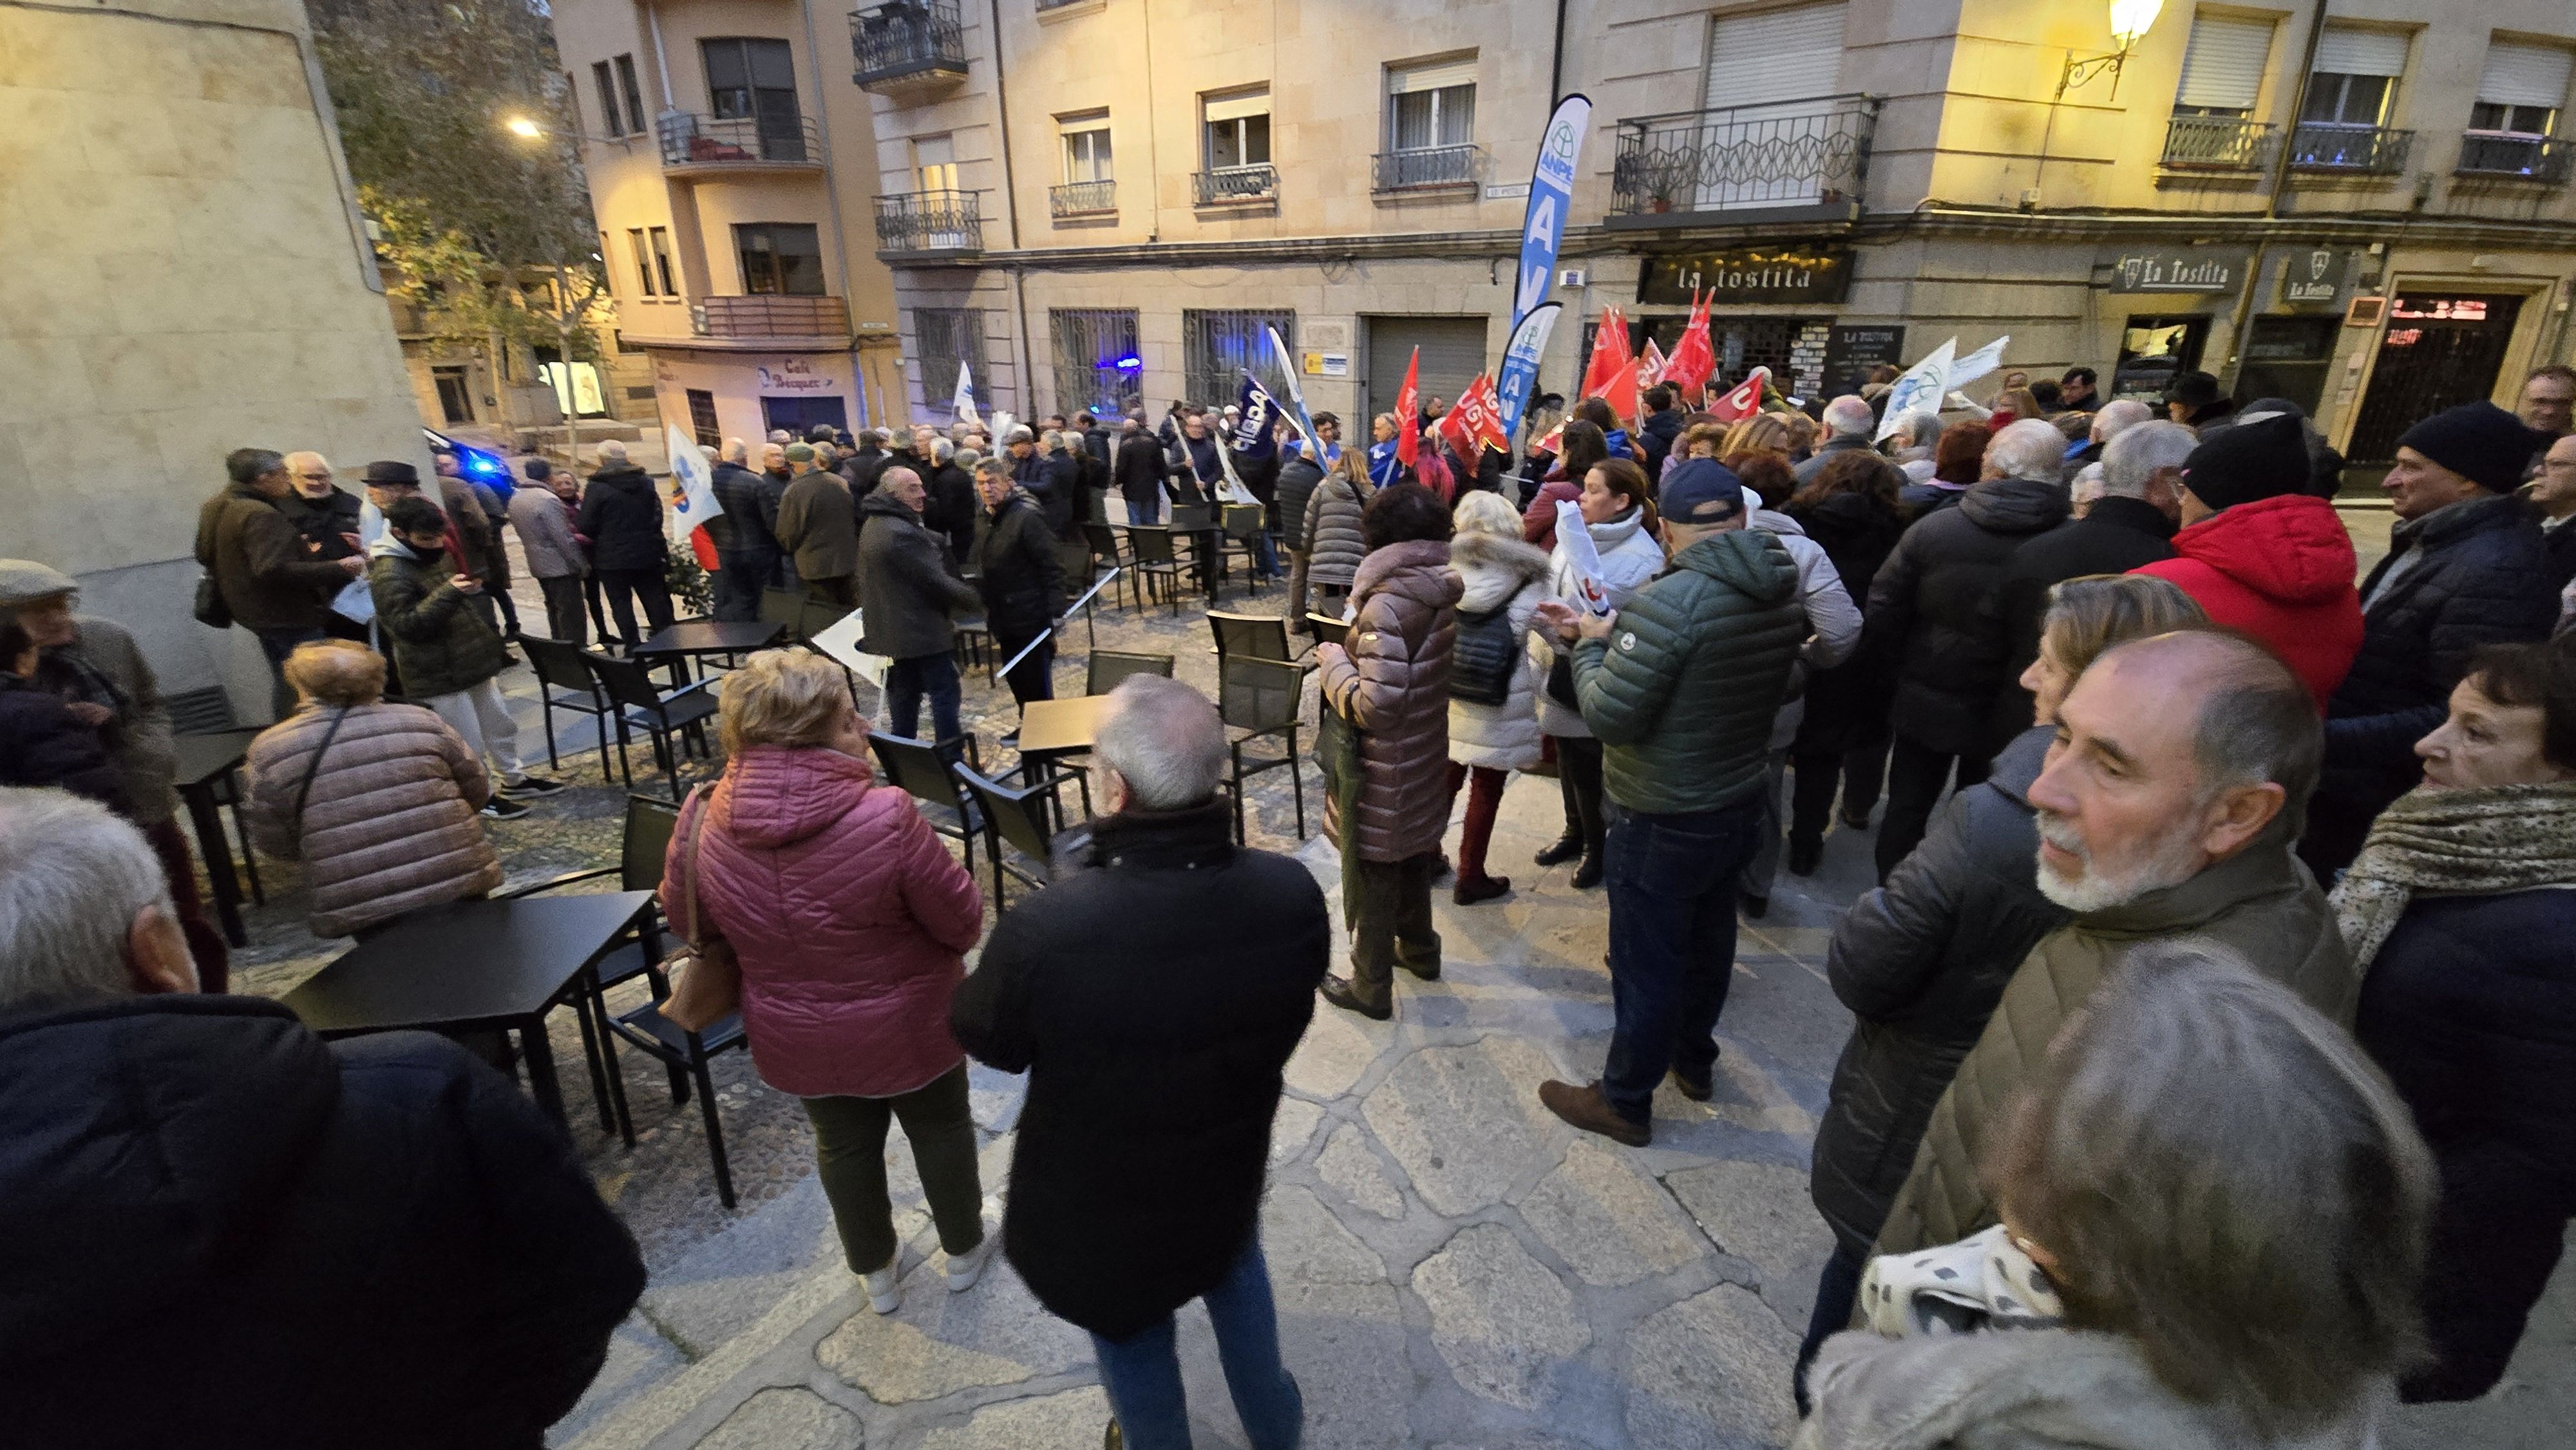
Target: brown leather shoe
1340 992
1586 1108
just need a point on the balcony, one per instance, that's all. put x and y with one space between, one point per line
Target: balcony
928 225
2219 143
1427 168
907 48
1235 185
1794 160
771 318
706 143
2516 156
2343 146
1083 198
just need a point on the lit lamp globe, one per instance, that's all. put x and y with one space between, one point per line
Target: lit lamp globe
527 130
2132 19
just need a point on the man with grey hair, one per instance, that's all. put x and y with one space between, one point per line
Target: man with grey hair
262 576
210 1210
1153 995
1848 423
2029 448
746 537
2130 526
2166 809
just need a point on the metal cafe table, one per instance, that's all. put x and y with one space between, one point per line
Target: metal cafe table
207 778
691 638
485 964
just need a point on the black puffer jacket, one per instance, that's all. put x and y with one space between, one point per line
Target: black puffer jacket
1847 705
219 1231
42 743
950 508
1016 570
906 593
2119 535
1140 468
1928 604
1921 963
1298 478
621 515
1153 1000
2481 576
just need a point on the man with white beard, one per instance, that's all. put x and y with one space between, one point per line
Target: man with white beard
2167 808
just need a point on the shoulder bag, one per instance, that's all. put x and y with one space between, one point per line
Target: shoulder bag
705 976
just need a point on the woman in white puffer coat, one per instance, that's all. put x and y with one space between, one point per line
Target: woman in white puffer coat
1619 515
1491 737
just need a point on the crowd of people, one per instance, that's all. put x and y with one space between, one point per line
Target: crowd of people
2211 1010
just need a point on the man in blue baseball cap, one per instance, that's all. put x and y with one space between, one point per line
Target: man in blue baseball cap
1680 686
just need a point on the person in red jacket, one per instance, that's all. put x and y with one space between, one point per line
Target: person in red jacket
2259 553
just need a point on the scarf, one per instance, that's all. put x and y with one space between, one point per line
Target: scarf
2479 841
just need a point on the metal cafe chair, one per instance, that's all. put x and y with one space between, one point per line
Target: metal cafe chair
1260 697
1154 559
1109 666
922 770
1262 636
664 715
565 682
786 609
1017 818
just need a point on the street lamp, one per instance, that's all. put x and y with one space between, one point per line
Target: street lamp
524 129
2130 22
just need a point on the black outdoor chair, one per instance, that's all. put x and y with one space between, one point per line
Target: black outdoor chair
1017 818
1081 571
1260 636
673 718
1243 523
1329 628
1196 523
1261 698
1154 559
1109 666
786 609
1105 549
565 682
922 770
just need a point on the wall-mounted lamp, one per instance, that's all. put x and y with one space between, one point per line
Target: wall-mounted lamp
2130 22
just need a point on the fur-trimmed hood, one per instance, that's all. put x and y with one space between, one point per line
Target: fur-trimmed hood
1494 568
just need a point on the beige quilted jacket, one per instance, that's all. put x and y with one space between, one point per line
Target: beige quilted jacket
390 824
2260 903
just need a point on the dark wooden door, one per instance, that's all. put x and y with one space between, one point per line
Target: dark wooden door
2438 351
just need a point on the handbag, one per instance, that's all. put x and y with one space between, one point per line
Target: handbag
1560 682
211 610
705 976
1486 656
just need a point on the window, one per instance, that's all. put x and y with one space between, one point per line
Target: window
2522 89
610 125
1096 363
662 261
2222 70
1774 56
945 338
702 418
1086 147
1238 130
643 262
634 93
2355 77
1217 347
1431 105
754 82
934 161
781 258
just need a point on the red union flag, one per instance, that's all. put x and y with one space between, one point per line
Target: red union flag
1454 431
1694 361
1609 354
1652 366
1408 413
1482 408
1743 400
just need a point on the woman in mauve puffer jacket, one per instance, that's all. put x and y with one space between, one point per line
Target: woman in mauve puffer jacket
851 922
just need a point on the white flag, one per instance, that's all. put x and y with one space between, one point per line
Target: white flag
965 399
1921 389
1979 363
1583 557
693 487
1297 400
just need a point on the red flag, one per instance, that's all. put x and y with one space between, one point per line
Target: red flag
1694 360
1454 430
1609 353
1553 441
1652 366
1408 413
1742 401
1484 409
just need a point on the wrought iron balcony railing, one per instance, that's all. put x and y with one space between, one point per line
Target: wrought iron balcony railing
1226 184
695 140
2517 156
930 221
1420 167
2220 143
1082 198
770 316
1786 154
907 41
2341 146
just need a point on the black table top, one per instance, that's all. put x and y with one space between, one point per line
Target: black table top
465 964
202 757
710 637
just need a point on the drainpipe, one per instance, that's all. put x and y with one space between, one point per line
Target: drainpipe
661 60
1011 201
1556 61
832 198
2244 311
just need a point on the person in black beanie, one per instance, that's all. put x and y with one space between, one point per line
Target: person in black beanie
2194 399
2466 567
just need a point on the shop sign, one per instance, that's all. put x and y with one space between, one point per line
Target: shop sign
796 375
1748 274
1850 352
2315 277
2178 270
1328 364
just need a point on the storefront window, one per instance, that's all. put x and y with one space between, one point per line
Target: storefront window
2153 349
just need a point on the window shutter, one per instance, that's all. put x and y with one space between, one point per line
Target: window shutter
2223 69
2525 75
2342 51
1778 55
1437 75
1231 108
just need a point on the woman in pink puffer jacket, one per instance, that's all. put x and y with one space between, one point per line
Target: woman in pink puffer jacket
851 921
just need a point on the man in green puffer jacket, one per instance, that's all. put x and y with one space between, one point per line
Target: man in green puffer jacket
1680 687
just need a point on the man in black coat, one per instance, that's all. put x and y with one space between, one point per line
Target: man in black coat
1928 611
322 511
621 515
1022 581
950 508
2130 525
2466 566
1153 996
218 1230
747 549
1659 429
1139 473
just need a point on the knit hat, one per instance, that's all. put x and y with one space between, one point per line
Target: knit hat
24 581
393 472
1699 492
2478 441
800 452
2192 389
2249 460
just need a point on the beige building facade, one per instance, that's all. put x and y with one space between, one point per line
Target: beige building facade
186 274
1106 203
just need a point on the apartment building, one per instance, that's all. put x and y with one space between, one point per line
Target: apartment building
1088 203
730 167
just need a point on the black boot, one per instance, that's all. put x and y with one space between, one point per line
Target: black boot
1567 847
1805 854
1587 875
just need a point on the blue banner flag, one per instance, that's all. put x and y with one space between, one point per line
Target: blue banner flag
1551 197
1520 364
1258 416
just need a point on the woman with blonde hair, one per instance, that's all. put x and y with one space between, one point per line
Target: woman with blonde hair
1334 542
1493 683
851 922
1761 432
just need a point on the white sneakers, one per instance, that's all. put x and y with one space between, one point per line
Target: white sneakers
963 1272
883 1296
